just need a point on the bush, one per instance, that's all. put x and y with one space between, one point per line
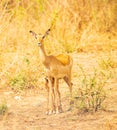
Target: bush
3 108
91 94
22 82
18 83
108 63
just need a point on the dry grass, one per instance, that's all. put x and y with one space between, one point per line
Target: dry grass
87 26
83 27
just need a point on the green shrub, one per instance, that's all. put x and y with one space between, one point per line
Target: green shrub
107 63
22 81
3 108
18 83
91 94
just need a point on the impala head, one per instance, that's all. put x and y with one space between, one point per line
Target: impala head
39 37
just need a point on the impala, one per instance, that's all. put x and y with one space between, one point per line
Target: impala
57 67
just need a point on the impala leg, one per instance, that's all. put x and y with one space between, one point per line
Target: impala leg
57 97
51 96
47 88
69 83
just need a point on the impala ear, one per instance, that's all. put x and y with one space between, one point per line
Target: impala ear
33 34
46 33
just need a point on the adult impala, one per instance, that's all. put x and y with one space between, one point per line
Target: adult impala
57 67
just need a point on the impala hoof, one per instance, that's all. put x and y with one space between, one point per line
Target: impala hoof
47 112
57 112
50 112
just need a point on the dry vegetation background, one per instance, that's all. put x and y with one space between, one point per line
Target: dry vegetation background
80 27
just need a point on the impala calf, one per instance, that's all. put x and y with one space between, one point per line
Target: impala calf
57 67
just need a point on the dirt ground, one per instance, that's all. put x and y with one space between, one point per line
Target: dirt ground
26 111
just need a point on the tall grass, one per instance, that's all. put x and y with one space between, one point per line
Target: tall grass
77 25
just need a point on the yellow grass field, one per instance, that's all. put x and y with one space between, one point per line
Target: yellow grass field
87 30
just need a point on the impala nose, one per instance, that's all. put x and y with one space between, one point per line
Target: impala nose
39 44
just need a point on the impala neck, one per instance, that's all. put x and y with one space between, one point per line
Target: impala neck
43 55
